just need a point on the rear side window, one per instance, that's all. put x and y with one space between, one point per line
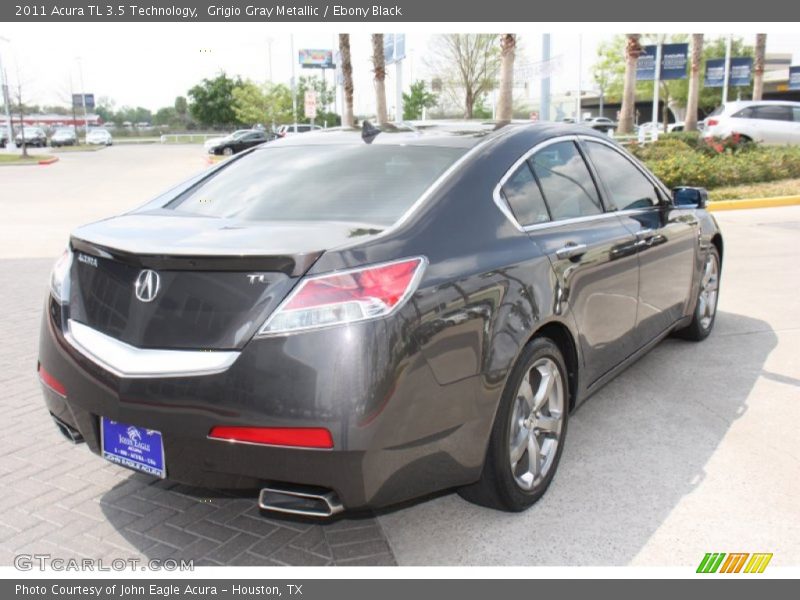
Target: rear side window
627 185
773 112
566 183
371 184
524 197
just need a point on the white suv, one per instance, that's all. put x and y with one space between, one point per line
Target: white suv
768 121
285 130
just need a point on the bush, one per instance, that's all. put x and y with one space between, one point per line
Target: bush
687 159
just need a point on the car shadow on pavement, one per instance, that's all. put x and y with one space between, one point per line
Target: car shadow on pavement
633 451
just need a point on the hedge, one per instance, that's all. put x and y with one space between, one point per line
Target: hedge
688 160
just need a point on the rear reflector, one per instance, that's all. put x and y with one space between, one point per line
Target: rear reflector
51 382
302 437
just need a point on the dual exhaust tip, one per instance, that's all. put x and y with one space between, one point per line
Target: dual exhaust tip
302 501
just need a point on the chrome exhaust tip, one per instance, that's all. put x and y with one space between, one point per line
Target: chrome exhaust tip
68 431
298 500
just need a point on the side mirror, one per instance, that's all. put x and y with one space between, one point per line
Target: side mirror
690 197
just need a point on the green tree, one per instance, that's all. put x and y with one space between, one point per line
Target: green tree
417 99
181 106
270 103
212 101
166 116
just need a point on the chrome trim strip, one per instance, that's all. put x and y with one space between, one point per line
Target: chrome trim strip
124 360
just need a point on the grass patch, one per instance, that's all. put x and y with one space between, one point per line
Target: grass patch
18 159
771 189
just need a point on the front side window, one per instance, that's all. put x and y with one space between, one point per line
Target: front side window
372 184
627 185
566 183
524 197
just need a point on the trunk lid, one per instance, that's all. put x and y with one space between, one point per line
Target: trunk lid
213 283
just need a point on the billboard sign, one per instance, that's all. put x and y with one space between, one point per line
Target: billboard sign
316 59
715 73
674 58
79 99
794 78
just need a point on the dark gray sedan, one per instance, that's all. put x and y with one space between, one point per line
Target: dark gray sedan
347 319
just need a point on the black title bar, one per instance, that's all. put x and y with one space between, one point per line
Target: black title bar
449 11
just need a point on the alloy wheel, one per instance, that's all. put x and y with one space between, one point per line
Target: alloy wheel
709 288
537 419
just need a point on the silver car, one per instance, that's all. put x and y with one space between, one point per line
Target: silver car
766 121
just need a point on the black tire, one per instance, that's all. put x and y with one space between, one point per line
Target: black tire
227 151
700 328
497 487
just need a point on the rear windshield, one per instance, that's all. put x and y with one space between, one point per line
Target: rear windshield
366 184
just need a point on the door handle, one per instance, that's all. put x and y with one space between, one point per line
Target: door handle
571 250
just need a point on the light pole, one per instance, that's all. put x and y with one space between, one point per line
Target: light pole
294 84
83 97
6 101
269 59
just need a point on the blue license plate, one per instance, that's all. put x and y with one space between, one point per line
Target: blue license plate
134 447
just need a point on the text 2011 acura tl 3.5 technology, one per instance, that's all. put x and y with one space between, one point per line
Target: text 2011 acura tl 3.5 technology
347 320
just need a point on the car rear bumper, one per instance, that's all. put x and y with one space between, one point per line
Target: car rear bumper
397 433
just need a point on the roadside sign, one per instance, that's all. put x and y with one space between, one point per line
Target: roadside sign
79 99
311 104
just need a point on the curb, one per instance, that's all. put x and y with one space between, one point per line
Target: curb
48 161
753 203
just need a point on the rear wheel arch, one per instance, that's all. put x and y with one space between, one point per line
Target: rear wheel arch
717 241
562 337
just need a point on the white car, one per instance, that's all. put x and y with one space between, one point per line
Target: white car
99 137
285 130
766 121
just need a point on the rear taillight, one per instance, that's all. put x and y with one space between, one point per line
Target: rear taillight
298 437
51 382
711 122
59 278
347 296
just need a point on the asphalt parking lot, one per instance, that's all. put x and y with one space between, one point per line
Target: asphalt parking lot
694 449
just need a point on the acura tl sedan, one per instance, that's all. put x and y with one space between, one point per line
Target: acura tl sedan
345 320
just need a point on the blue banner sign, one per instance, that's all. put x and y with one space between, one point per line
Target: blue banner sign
794 78
646 64
741 72
674 58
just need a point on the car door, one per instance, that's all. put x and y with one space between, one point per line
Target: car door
553 195
773 122
794 130
667 238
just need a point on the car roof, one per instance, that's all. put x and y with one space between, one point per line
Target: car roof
454 134
745 103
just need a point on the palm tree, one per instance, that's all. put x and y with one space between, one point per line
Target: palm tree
632 51
690 122
347 79
508 46
758 66
379 68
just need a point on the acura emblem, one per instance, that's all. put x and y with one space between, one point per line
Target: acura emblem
147 284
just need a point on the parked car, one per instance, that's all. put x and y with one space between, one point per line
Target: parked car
286 130
64 136
33 136
240 140
345 324
765 121
3 138
603 124
99 136
211 142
